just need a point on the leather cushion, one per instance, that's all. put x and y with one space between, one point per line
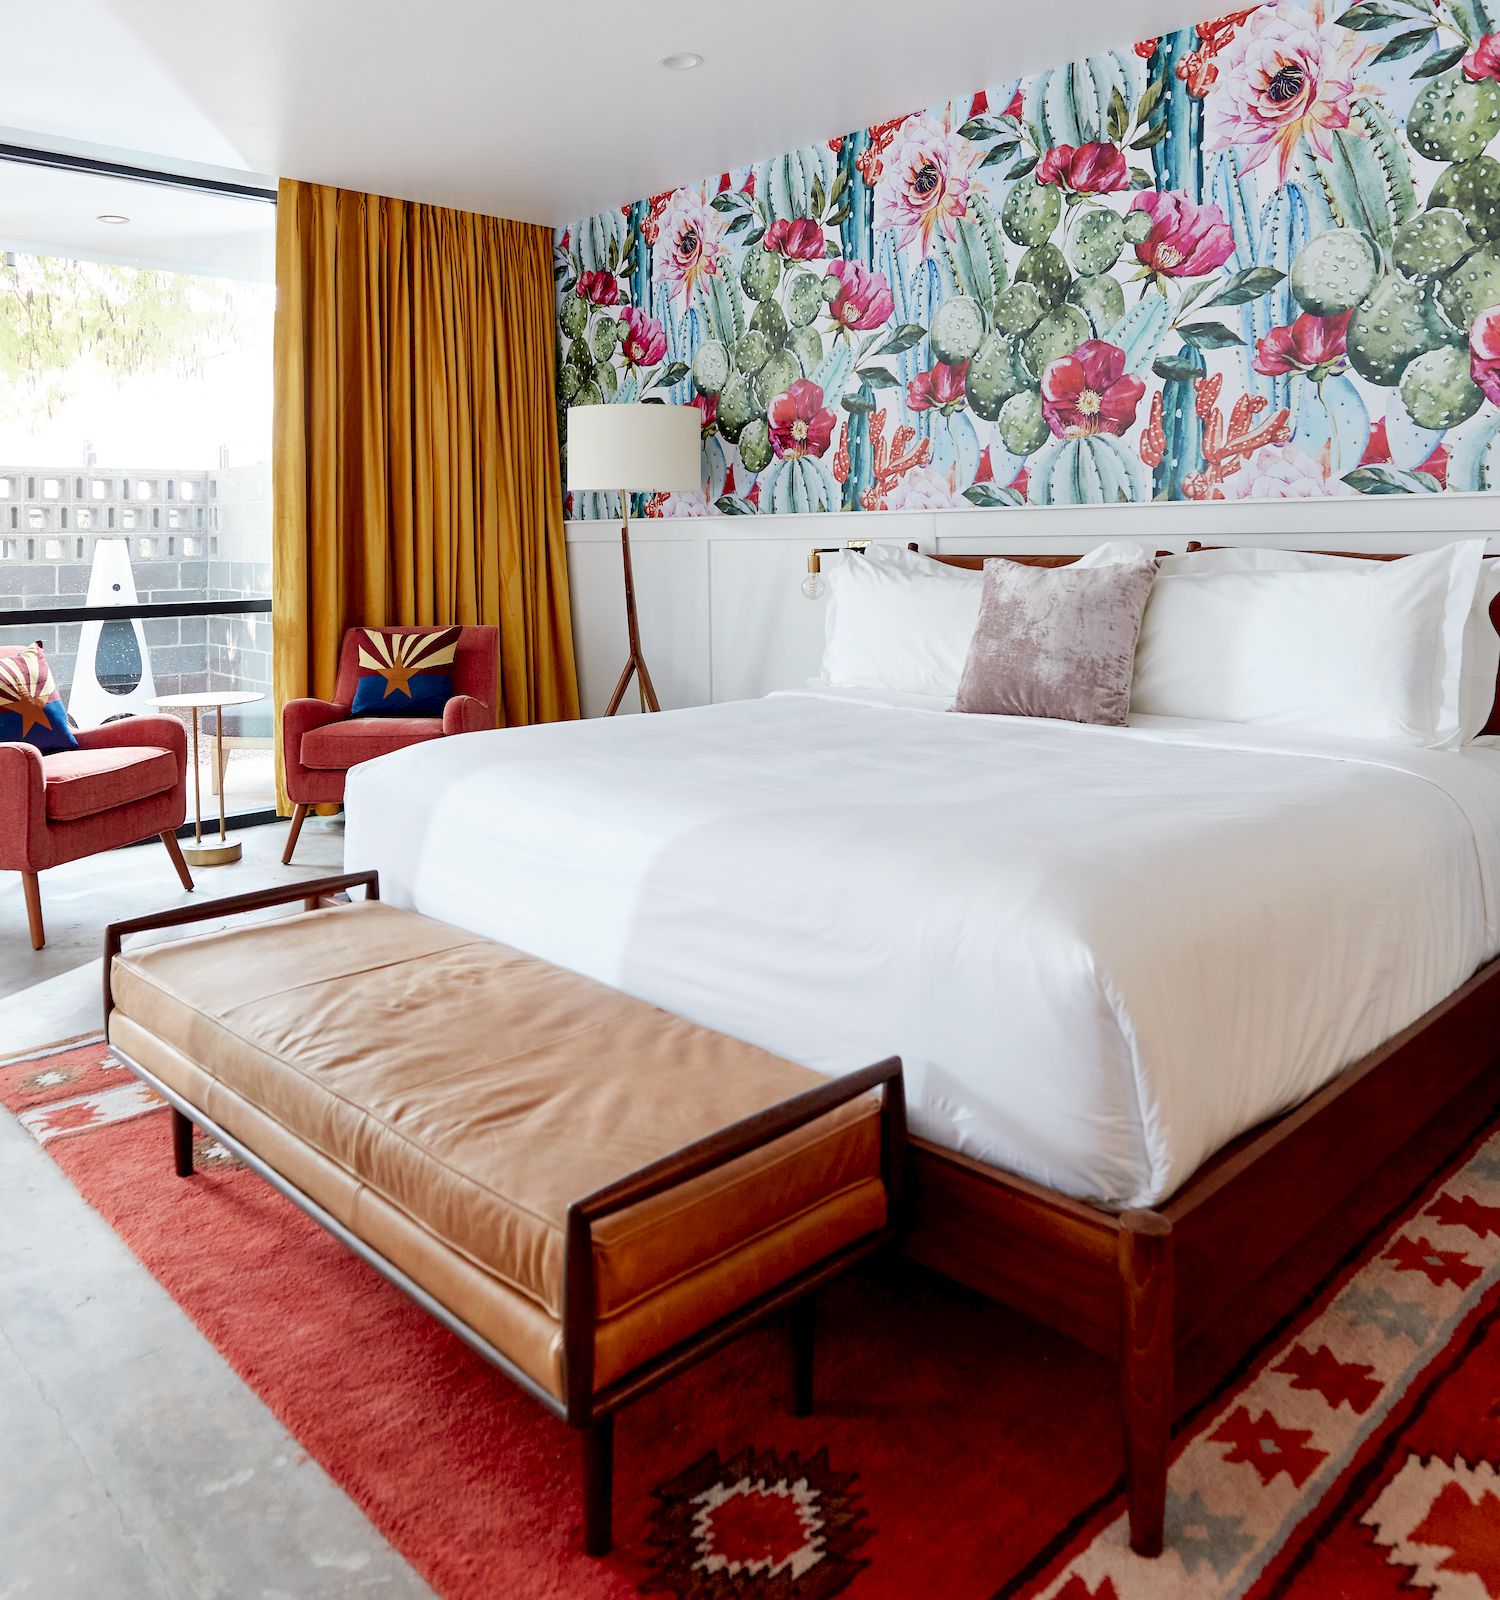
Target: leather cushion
481 1091
82 783
340 745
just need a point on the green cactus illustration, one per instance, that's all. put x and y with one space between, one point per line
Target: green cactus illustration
1031 211
957 328
760 272
1400 189
1475 463
1100 298
1058 334
1472 189
1178 155
755 444
1097 469
711 367
1453 119
995 374
1183 427
1070 105
1018 309
1022 426
1437 391
567 382
1431 243
737 405
1334 272
1472 286
603 338
769 320
779 373
1389 329
807 345
803 298
1097 239
1045 270
752 352
574 315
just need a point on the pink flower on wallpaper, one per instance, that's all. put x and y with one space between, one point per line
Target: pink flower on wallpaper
689 239
708 408
924 489
1287 74
682 503
1096 168
799 239
864 298
1279 472
941 388
924 181
600 288
1090 392
1303 345
1484 352
1483 61
1186 240
645 341
801 425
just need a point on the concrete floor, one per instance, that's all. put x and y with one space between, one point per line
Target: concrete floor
134 1465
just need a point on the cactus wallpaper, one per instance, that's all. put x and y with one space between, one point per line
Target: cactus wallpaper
1255 259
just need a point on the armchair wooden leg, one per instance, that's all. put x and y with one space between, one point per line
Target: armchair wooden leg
298 814
33 892
169 839
182 1144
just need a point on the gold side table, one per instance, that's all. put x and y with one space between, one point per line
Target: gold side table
215 700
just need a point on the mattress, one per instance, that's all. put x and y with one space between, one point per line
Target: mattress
1100 952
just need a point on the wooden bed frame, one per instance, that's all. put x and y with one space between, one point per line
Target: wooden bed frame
1138 1284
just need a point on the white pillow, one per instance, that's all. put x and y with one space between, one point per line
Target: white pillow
1118 552
898 620
1481 648
1373 656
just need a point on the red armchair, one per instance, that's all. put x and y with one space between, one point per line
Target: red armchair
126 781
320 741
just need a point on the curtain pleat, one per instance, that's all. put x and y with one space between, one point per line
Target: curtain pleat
415 457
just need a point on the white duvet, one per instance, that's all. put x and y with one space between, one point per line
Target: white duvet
1101 953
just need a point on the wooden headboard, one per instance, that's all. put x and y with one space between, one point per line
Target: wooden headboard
975 563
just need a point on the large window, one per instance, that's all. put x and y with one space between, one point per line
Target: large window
135 413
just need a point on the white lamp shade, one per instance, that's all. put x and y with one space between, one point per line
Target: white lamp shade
635 447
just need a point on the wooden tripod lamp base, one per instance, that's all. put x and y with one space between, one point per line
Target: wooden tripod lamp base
634 447
635 665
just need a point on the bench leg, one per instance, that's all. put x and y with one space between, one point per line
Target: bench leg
1147 1364
182 1144
804 1320
598 1485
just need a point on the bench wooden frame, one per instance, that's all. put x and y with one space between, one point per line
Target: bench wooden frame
584 1407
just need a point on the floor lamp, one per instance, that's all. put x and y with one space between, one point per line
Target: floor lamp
634 448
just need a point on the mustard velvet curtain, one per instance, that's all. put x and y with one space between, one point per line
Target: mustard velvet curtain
415 454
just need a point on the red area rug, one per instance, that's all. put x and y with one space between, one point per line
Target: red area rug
957 1450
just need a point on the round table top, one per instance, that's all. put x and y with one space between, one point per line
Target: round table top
210 697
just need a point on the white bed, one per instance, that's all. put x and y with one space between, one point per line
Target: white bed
1100 952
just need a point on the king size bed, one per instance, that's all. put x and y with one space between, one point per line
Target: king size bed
1148 982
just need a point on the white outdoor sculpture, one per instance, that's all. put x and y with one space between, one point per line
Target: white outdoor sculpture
112 677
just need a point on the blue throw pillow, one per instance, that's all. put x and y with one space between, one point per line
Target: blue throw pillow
31 709
404 674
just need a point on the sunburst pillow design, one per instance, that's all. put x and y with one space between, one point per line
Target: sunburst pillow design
404 674
31 709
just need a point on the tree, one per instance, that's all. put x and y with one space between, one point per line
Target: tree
56 313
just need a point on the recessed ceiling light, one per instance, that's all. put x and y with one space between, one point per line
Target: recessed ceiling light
110 216
682 61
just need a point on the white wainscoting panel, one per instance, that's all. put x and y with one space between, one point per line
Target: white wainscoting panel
723 616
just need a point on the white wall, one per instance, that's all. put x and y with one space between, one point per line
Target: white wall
723 618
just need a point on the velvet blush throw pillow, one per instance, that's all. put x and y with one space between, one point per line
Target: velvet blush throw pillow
1056 641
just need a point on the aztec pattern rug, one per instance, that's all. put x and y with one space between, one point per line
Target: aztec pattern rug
956 1449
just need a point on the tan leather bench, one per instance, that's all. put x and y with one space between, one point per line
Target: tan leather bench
588 1190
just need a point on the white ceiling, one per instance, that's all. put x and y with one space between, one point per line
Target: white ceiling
544 111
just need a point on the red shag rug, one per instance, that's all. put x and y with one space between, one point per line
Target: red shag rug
957 1450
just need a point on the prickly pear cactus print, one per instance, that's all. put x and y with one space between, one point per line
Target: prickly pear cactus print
1255 259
